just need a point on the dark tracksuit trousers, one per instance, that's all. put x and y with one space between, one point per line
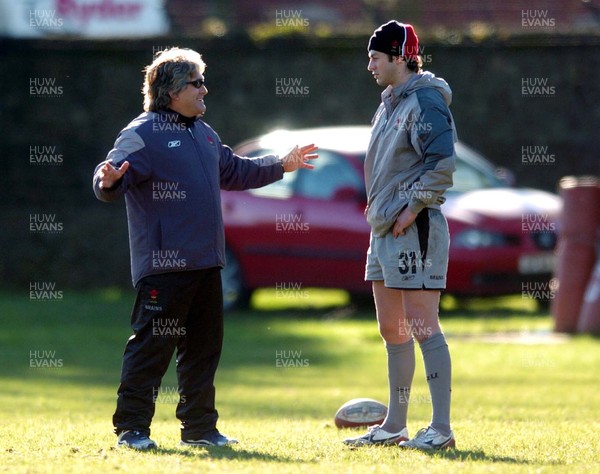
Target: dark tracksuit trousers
180 311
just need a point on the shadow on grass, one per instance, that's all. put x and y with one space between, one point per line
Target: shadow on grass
492 306
362 308
86 332
225 452
473 455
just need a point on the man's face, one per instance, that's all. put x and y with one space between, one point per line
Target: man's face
190 100
384 71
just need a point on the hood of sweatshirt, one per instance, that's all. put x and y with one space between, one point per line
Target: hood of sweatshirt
392 95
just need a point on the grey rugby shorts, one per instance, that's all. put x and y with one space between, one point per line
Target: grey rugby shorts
417 260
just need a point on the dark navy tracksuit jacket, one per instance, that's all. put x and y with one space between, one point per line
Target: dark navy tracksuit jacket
172 191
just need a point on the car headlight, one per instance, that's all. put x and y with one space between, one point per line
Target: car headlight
475 238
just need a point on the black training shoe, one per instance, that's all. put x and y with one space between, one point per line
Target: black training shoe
210 438
135 440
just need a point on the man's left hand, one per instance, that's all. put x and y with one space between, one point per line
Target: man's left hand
299 158
403 222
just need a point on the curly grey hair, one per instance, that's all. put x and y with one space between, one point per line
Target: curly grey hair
169 72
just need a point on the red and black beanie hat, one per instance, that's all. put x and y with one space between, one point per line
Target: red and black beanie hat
397 39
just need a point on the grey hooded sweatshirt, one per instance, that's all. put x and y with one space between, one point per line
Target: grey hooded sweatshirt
410 159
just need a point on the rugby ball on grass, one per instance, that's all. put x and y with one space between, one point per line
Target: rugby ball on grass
360 412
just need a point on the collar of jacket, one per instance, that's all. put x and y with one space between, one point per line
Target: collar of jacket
392 95
178 118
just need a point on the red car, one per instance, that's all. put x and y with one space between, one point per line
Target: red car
309 230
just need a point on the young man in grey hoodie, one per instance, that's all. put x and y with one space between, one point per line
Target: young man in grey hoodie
408 167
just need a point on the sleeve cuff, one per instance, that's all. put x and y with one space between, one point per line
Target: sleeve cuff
416 206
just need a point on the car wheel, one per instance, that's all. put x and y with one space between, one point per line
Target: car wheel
543 304
235 293
362 301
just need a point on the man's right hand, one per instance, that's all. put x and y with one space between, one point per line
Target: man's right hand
109 175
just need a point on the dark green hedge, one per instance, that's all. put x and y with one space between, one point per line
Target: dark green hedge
100 92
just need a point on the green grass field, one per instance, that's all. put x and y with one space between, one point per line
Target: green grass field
523 400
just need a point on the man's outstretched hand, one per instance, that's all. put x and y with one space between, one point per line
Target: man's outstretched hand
109 175
299 158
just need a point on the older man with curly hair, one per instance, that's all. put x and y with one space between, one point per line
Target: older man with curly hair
170 166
